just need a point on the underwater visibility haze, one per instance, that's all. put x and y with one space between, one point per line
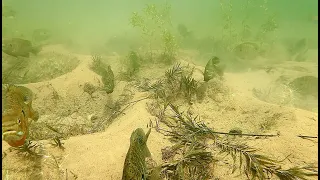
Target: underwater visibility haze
160 89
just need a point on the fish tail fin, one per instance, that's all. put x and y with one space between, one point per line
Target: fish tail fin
36 49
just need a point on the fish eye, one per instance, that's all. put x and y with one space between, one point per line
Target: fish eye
19 121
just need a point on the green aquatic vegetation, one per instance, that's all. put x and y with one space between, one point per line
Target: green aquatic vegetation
96 63
189 134
194 164
189 87
170 47
269 25
131 66
267 28
232 35
228 31
246 31
173 73
177 84
154 20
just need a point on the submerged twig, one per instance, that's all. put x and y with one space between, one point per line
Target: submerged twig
243 134
312 137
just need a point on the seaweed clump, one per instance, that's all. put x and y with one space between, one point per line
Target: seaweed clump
177 84
132 65
154 20
192 157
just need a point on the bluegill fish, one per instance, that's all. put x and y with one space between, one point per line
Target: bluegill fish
107 79
19 47
246 50
305 85
135 166
133 63
16 111
183 31
212 69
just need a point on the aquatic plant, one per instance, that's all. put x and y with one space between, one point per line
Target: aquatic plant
170 47
177 84
228 31
131 66
269 26
194 164
152 21
246 31
189 87
191 136
96 62
230 34
173 73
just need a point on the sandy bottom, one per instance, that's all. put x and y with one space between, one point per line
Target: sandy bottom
101 155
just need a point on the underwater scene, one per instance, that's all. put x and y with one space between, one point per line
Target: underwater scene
159 90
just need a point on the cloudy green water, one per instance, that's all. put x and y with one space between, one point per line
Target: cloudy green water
90 23
93 22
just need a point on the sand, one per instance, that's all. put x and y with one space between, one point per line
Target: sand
101 155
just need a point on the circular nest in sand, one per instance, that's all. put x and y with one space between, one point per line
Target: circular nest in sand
301 92
45 66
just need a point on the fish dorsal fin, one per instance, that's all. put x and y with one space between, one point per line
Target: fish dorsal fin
147 135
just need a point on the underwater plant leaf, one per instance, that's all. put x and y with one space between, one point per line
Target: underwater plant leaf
296 173
172 73
192 134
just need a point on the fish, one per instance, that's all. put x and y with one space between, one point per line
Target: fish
299 46
107 79
246 50
8 12
299 50
212 70
135 166
16 111
40 35
19 47
133 64
305 85
183 31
